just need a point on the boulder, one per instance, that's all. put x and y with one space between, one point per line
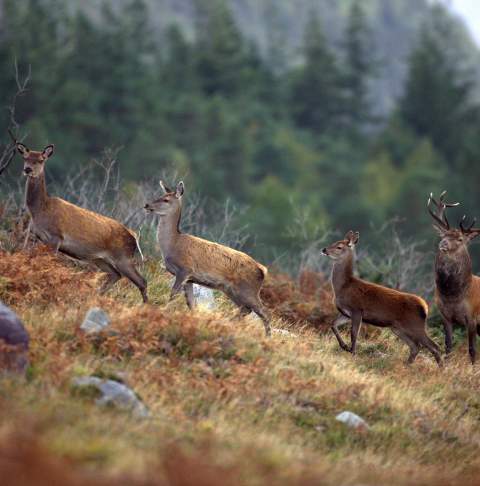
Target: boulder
352 420
96 320
14 342
204 297
114 393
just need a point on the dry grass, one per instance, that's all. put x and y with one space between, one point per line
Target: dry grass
228 406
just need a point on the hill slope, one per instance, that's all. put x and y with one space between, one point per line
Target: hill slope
228 405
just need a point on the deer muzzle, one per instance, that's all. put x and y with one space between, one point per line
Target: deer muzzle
443 246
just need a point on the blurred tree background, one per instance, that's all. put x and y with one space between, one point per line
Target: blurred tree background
319 115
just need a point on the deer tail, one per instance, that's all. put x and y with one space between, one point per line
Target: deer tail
262 272
139 249
423 309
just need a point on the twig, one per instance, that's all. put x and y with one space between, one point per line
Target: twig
9 151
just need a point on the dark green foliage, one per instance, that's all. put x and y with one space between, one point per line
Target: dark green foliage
437 102
316 96
359 69
296 143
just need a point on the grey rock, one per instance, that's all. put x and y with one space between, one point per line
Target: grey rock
114 393
13 333
352 420
96 320
204 297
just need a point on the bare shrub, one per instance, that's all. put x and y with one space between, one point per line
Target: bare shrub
309 238
399 262
98 186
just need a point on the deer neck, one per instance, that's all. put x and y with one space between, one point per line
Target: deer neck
453 275
36 196
342 272
168 231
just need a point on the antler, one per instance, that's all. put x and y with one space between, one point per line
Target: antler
469 229
14 140
441 205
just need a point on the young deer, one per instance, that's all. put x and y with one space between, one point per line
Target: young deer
457 291
194 260
77 232
358 300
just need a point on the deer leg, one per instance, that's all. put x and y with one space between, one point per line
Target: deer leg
356 323
188 290
27 235
261 312
243 312
112 275
447 327
248 303
111 280
340 320
54 242
414 348
432 347
127 269
472 342
180 279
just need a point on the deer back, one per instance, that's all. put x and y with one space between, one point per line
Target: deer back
209 260
87 230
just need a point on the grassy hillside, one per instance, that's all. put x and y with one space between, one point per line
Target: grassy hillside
228 406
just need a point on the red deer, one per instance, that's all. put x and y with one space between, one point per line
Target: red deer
78 232
361 301
457 291
195 260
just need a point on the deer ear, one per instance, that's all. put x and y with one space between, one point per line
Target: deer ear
22 149
348 235
47 152
179 190
165 188
353 238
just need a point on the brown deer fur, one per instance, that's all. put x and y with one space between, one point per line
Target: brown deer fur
457 290
77 232
195 260
361 301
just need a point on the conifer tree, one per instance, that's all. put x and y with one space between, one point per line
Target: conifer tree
315 94
437 101
359 69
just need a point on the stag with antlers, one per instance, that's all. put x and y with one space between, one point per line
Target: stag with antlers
457 292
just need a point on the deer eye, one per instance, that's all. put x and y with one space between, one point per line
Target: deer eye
339 247
165 199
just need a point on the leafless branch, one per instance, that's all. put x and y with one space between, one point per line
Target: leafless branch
9 151
400 263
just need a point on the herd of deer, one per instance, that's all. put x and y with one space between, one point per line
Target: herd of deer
88 236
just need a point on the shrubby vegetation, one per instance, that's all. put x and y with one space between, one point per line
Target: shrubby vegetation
225 402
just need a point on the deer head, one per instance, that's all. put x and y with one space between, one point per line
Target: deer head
452 239
342 248
169 203
33 161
